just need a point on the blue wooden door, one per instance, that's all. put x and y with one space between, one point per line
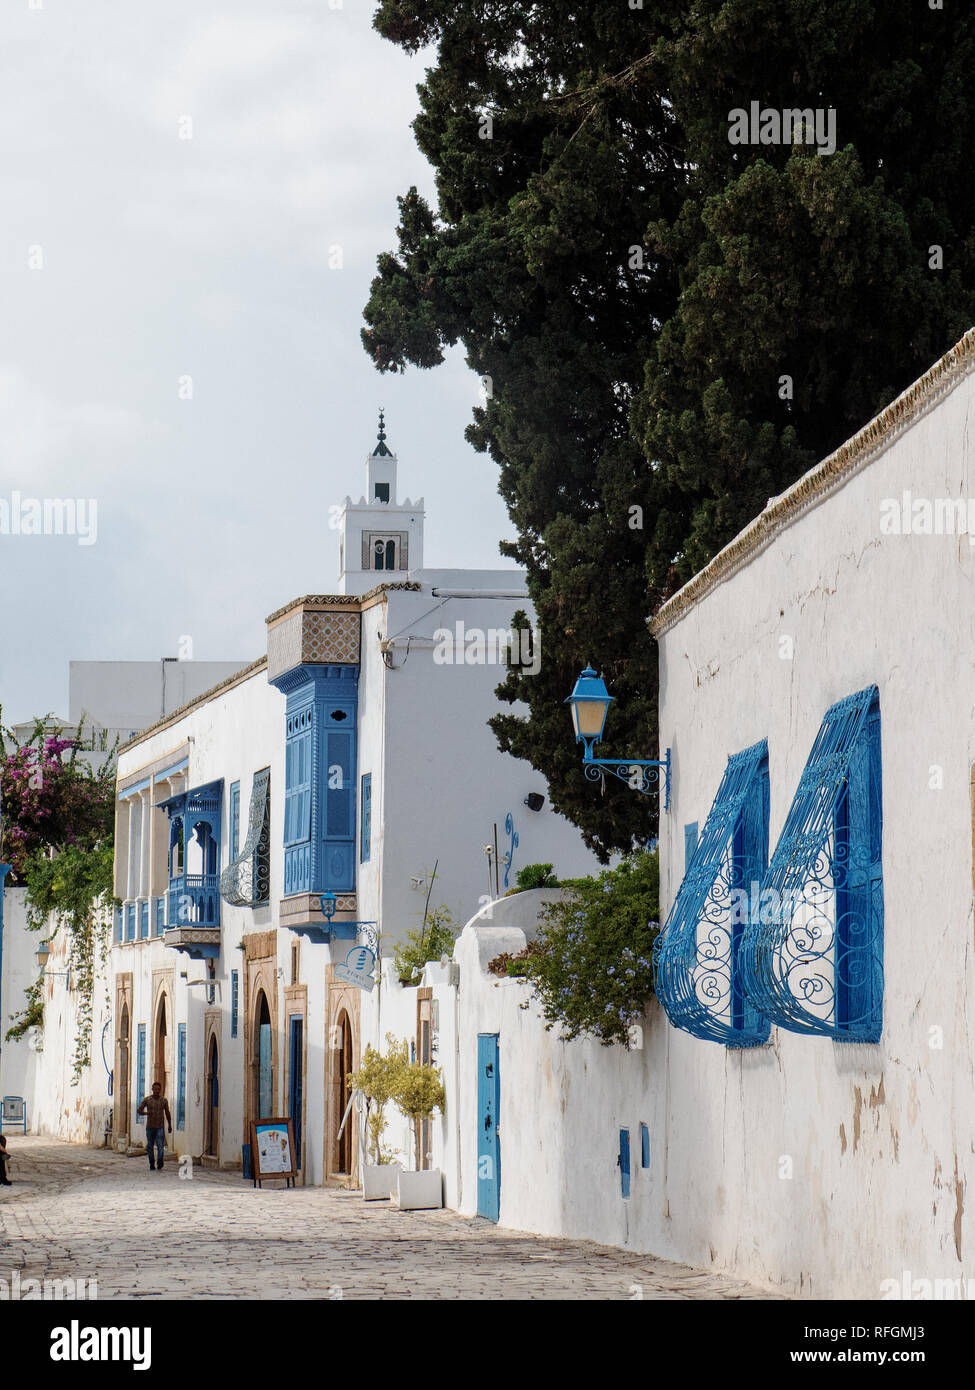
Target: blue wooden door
488 1106
297 1081
265 1090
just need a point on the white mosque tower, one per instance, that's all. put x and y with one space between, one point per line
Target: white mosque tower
381 538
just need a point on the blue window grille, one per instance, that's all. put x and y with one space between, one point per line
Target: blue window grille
159 906
143 920
234 819
194 856
365 838
130 921
816 966
644 1146
181 1077
234 1000
696 973
690 843
140 1071
118 926
623 1162
320 779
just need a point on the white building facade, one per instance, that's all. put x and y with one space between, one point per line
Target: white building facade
348 762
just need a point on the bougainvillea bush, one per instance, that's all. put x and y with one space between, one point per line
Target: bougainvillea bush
51 798
58 832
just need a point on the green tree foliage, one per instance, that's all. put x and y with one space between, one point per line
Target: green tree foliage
634 288
592 966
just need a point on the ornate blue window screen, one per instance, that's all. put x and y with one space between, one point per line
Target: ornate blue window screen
695 956
194 856
234 1001
817 965
246 881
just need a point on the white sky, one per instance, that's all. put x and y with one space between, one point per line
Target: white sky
208 257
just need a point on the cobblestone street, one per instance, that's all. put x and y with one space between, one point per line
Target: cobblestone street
81 1213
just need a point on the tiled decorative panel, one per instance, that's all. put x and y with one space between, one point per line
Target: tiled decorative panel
331 638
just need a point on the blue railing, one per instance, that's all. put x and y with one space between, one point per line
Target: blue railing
194 900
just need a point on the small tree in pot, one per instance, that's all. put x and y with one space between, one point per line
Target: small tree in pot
377 1079
419 1092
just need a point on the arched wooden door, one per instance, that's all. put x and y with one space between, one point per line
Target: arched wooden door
159 1040
342 1054
211 1119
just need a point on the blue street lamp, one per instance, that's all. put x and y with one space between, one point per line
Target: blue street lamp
589 705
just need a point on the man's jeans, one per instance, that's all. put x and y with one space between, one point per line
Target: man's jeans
154 1141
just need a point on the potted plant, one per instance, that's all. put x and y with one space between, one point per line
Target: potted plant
376 1079
418 1093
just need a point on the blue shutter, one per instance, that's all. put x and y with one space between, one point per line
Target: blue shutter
818 966
234 999
365 847
337 773
644 1146
130 921
118 929
234 821
624 1162
143 920
140 1071
181 1078
696 973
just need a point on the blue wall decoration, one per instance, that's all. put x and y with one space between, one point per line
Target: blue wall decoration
695 957
817 966
509 830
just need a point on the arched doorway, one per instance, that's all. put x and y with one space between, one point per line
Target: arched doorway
159 1046
264 1059
122 1077
342 1065
211 1119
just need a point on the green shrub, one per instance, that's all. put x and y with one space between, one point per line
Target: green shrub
535 876
591 968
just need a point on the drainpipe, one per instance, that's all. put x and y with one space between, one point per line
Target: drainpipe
4 871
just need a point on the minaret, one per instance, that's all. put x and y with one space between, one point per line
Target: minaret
381 537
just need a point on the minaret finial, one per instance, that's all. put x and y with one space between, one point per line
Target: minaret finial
382 426
382 449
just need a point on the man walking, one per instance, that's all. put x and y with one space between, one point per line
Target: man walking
155 1108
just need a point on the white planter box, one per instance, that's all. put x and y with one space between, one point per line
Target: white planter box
378 1180
416 1191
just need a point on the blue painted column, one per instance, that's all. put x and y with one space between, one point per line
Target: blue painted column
4 871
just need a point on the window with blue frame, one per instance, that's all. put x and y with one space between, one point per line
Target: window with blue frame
365 838
181 1077
814 963
696 971
140 1071
234 819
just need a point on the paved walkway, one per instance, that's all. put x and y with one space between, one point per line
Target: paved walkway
81 1213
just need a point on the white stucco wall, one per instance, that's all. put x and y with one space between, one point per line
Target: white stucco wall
880 1137
19 969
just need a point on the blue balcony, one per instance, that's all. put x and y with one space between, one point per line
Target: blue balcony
192 904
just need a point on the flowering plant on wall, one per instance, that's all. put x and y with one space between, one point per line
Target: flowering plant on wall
591 967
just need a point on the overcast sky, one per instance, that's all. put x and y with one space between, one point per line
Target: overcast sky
132 258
